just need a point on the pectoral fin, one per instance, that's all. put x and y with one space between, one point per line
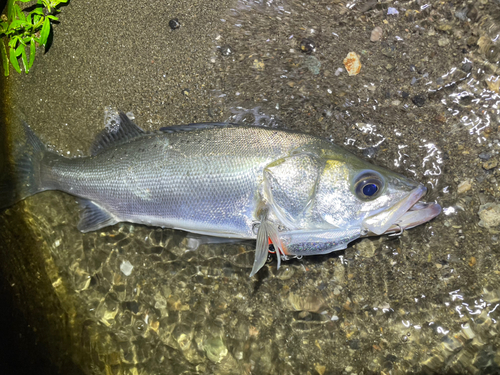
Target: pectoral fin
267 230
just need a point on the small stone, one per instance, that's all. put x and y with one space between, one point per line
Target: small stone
418 100
366 248
472 261
445 27
226 50
464 186
126 267
405 95
485 156
320 369
461 14
307 45
388 51
174 23
376 34
490 164
442 42
396 102
389 67
467 67
392 11
258 65
338 71
493 83
489 214
313 64
472 40
352 63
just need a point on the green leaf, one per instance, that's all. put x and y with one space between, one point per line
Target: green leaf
24 1
19 50
5 60
24 59
13 41
32 52
44 34
11 9
13 60
54 18
17 24
37 11
19 13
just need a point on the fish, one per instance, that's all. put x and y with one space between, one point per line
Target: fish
301 193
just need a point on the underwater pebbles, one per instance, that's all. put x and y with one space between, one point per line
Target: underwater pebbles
352 63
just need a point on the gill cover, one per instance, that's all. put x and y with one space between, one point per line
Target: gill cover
290 185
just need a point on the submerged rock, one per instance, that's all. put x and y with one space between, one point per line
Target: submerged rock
489 214
352 63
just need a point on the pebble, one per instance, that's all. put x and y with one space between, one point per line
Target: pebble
418 100
313 64
338 71
352 63
490 164
467 67
392 11
376 34
226 50
464 186
462 14
489 214
307 45
126 267
493 83
485 156
174 23
443 42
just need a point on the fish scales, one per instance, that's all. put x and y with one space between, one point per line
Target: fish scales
205 181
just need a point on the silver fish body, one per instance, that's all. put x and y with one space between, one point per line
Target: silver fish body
305 194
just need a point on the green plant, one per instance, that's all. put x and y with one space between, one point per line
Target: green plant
24 30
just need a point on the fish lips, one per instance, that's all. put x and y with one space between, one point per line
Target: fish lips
407 213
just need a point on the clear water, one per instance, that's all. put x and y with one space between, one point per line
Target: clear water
425 104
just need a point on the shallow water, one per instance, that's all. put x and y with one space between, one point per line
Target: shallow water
424 104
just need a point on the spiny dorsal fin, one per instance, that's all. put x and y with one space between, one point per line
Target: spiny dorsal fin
119 129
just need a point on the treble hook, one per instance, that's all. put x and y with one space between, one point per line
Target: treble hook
397 234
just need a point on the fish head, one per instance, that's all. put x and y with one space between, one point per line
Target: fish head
354 193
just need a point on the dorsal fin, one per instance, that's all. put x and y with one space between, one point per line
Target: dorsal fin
119 129
196 126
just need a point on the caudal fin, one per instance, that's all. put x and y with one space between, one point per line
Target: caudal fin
22 178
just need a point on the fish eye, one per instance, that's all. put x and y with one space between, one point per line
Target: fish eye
368 185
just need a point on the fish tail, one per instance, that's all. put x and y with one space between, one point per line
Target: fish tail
22 178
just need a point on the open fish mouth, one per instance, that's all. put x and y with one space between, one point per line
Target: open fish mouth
407 213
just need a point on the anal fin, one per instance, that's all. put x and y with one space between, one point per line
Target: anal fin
94 217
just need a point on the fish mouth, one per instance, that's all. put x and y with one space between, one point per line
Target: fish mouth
407 213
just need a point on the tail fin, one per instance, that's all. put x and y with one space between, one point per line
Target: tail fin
23 170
